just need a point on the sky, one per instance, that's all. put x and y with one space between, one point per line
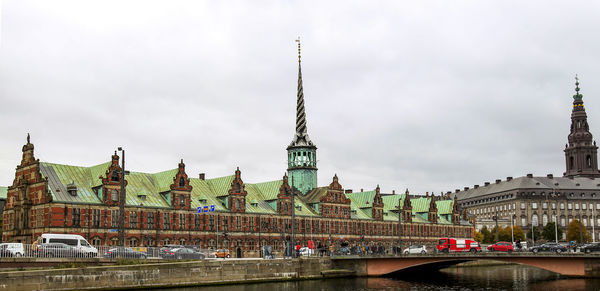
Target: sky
429 96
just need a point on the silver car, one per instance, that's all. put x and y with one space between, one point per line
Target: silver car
415 249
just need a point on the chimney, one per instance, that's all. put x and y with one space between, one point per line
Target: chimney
362 190
393 191
475 186
487 183
456 190
498 181
348 191
466 188
508 178
529 175
202 176
550 176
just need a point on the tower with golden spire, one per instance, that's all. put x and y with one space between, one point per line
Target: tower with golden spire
302 153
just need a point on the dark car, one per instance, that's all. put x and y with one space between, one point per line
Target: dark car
592 247
183 253
549 247
58 250
123 252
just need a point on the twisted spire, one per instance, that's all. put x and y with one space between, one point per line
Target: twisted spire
301 137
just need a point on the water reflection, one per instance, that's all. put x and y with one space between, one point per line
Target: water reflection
506 277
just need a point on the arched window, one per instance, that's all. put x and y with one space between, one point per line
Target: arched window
588 161
114 195
571 162
534 219
181 182
544 219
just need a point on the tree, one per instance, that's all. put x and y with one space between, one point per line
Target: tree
487 235
505 234
518 232
536 233
548 233
478 236
574 232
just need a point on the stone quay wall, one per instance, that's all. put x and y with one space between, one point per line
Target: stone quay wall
176 274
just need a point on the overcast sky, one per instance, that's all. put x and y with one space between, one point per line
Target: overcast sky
425 95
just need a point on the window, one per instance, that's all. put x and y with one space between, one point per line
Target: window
115 218
211 223
563 222
523 221
150 220
181 200
181 221
197 222
576 206
544 205
181 182
553 205
584 220
569 206
522 205
76 215
534 219
114 195
562 206
598 206
584 206
534 205
133 220
166 221
544 219
96 218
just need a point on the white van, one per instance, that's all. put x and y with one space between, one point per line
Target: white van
73 240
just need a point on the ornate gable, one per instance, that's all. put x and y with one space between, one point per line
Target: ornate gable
455 212
377 209
335 203
432 215
237 194
111 182
407 208
181 189
284 198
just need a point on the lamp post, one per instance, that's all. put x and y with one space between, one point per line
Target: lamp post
293 238
122 198
400 225
512 228
496 220
580 228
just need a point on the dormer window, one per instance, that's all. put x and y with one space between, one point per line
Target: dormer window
181 182
114 176
72 189
202 201
114 195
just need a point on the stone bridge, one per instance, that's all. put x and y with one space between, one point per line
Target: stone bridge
569 264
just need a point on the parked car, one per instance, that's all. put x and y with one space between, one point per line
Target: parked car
549 247
58 250
222 253
306 251
415 249
591 247
183 253
123 252
452 245
11 250
501 246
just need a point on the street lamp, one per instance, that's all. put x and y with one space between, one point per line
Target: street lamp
400 225
122 198
512 228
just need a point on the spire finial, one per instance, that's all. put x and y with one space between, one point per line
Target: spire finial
577 96
577 83
299 50
28 138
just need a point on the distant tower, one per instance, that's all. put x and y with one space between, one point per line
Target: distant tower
302 153
581 152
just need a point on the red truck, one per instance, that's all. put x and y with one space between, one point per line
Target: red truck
453 245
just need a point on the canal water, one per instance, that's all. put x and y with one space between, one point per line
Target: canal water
504 277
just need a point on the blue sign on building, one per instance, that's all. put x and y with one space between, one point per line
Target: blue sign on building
202 209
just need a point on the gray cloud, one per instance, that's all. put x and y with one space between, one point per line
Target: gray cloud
430 96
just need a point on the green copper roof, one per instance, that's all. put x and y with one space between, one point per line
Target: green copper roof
420 204
444 206
390 202
3 192
362 199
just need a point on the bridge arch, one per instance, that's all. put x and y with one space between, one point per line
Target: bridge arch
568 265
